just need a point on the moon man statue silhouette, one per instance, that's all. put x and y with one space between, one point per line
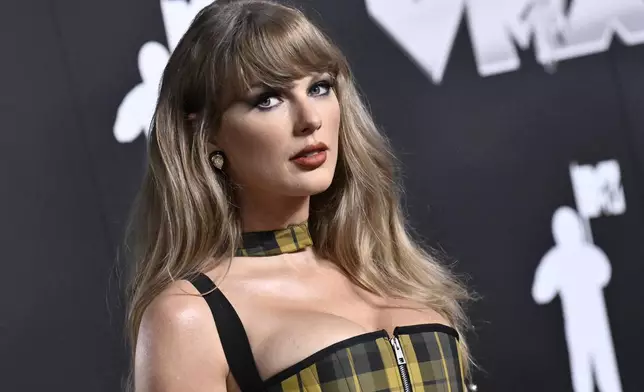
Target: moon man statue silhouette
578 271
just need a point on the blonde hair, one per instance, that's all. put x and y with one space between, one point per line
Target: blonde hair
185 221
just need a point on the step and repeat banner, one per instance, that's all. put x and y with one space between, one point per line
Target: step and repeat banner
520 125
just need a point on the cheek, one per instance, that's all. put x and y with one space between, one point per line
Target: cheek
333 119
255 146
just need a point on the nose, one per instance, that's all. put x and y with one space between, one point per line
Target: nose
307 115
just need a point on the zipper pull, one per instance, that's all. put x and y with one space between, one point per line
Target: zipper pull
400 357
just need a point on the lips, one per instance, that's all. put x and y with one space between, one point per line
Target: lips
310 150
311 157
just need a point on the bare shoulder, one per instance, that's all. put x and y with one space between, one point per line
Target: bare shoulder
177 309
178 348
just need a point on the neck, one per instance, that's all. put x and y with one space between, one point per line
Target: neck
262 211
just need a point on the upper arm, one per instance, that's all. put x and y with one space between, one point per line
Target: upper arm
602 269
546 280
178 348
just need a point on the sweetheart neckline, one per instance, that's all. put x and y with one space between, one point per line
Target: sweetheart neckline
352 341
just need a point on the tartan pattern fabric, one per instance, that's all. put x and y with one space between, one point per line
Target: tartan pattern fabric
367 364
433 361
274 242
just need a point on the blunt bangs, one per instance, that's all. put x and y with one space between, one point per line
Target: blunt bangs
274 50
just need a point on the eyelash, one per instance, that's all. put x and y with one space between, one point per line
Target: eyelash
328 84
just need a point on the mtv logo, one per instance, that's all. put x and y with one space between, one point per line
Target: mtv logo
598 189
135 113
426 29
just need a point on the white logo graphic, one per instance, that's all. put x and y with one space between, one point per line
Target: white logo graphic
426 29
135 112
577 270
598 189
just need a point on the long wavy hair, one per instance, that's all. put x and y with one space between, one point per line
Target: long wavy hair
185 220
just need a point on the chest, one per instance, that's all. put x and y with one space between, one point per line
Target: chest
289 318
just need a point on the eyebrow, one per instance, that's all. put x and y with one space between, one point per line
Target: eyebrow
290 85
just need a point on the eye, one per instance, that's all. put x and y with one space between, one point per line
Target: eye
268 103
267 100
322 87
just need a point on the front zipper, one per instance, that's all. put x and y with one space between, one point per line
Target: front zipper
402 363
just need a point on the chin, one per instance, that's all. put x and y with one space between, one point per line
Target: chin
310 183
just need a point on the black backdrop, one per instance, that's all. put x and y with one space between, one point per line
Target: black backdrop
486 158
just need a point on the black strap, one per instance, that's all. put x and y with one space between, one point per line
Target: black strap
232 335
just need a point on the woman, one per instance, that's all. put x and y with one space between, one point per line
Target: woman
272 250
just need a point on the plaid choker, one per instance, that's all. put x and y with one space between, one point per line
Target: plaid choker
292 239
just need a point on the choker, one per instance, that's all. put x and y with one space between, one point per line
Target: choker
293 238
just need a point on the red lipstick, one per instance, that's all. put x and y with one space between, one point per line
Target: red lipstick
311 157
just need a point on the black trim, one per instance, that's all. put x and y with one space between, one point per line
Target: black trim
419 328
232 335
318 355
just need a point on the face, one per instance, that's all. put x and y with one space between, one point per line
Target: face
283 142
